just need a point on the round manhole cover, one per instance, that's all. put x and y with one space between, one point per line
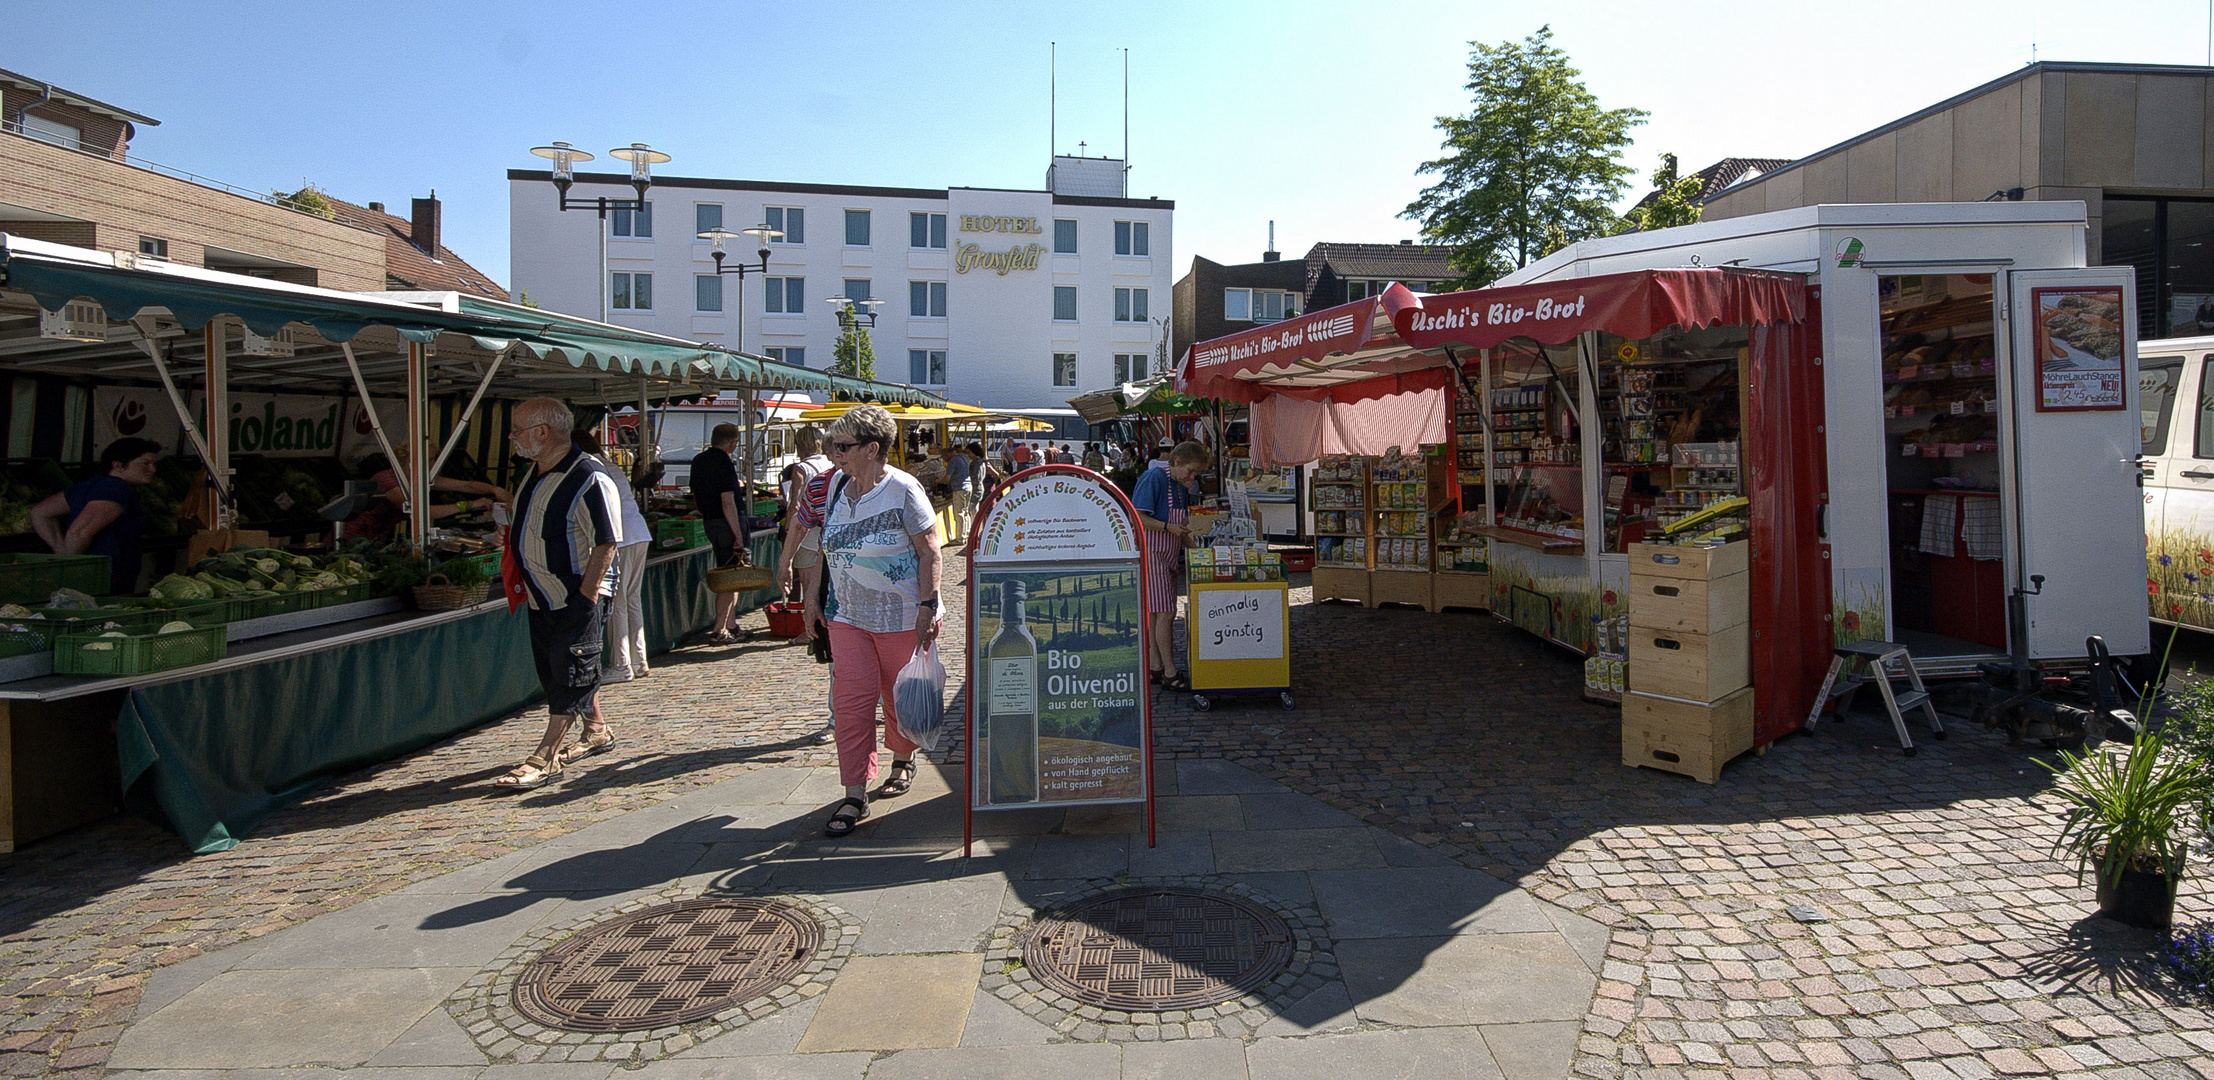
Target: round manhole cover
1158 949
667 965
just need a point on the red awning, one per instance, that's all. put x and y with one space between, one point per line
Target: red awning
1638 304
1308 356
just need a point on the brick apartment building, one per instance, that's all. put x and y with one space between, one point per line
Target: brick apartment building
1214 299
66 176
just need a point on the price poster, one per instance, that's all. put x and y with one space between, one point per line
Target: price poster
2079 349
1060 708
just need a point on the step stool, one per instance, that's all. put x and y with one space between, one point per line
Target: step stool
1865 662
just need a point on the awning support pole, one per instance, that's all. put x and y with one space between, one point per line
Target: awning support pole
218 401
461 424
376 423
418 519
176 401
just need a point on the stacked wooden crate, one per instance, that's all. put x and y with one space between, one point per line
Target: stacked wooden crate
1690 705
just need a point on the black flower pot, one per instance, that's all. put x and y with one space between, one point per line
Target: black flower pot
2140 898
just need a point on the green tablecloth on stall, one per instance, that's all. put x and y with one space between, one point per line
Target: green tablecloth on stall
223 752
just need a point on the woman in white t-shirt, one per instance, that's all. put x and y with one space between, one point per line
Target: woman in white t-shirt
880 547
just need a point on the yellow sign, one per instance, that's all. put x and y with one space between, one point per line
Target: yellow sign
1019 257
987 223
1626 352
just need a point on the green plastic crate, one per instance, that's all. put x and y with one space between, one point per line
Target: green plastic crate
30 579
31 639
138 652
310 599
246 606
679 534
70 620
221 610
489 562
37 635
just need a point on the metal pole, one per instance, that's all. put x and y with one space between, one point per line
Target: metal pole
376 423
461 423
418 529
220 516
177 402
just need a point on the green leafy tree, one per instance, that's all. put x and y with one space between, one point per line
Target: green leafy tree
853 355
1535 163
1675 201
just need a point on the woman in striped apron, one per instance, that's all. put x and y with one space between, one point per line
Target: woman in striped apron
1162 498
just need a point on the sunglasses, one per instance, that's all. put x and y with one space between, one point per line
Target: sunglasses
844 447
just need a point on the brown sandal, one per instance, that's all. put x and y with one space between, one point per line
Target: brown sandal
588 743
535 771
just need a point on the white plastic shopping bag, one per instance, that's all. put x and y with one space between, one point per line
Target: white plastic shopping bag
919 698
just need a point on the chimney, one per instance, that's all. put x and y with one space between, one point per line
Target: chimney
425 230
1271 255
376 208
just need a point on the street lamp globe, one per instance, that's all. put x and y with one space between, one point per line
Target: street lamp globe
642 159
564 158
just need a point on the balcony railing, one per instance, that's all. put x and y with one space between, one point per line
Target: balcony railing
13 128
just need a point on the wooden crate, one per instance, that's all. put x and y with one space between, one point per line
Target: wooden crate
1399 587
1694 667
1690 605
1687 737
1458 588
1663 560
1341 583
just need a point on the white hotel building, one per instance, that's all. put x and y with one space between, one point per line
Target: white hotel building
1004 298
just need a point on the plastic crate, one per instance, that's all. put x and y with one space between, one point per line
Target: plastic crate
310 599
70 620
258 605
222 610
138 651
679 534
489 562
30 579
30 639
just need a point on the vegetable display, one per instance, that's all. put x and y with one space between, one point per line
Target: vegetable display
251 571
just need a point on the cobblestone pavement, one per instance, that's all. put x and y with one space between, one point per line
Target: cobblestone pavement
1956 944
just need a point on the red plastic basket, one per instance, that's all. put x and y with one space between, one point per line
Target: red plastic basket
1299 560
786 619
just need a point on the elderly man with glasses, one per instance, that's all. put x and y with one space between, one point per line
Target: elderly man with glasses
567 525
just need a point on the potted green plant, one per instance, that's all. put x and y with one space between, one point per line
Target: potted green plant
2127 820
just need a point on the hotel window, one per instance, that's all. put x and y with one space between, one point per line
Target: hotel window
1131 304
153 246
926 299
857 228
706 215
1064 369
789 220
857 290
1133 238
1064 236
926 367
1064 303
630 292
1129 367
926 230
707 292
785 296
636 224
790 354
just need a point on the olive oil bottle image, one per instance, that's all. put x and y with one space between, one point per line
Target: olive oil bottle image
1011 720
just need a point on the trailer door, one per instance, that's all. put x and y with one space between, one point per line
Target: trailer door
2079 514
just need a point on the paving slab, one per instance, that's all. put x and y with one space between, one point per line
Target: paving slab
1213 776
169 983
775 1034
1464 980
993 1022
1329 1008
257 1019
895 1003
1076 857
1423 902
1295 887
1588 936
1539 1051
550 1070
1295 849
1186 1059
847 1066
1202 813
1280 809
434 1040
1436 1052
1122 820
405 930
1400 851
1173 854
1064 1061
933 917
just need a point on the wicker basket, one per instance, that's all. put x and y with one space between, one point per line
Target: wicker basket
438 594
739 575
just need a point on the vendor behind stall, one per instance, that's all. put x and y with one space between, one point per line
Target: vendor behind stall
101 515
385 515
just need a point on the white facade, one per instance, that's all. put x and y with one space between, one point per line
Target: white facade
998 273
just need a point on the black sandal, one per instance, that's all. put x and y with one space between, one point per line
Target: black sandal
842 825
897 780
1177 683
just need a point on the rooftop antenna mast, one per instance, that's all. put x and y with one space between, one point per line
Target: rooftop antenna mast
1053 90
1126 121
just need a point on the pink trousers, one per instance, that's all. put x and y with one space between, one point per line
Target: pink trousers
865 667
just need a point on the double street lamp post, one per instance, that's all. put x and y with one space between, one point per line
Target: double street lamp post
565 157
762 235
861 316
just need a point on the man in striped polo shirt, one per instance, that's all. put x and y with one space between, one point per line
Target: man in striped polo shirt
567 525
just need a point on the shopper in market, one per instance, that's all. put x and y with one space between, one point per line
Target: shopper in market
793 480
626 613
1093 459
960 490
1162 498
100 515
716 494
880 548
567 527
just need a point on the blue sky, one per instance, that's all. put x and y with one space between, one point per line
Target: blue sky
1314 115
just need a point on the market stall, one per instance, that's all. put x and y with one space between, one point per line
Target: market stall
220 363
1613 422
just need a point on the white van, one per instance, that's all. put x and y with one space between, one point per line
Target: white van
2179 479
